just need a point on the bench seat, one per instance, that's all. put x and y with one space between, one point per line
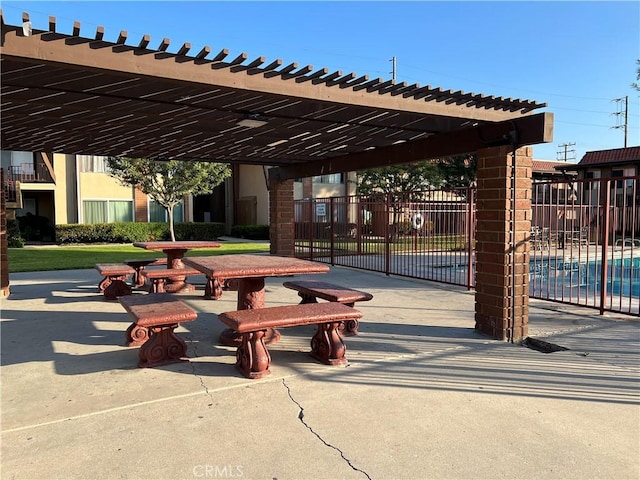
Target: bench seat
155 317
311 290
139 265
159 277
114 283
252 356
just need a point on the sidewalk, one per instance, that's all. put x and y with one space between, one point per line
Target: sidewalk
423 396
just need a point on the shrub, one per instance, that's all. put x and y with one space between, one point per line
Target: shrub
129 232
251 232
14 238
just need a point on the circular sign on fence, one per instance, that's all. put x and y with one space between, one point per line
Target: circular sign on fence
417 221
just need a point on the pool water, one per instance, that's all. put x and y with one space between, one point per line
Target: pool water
623 275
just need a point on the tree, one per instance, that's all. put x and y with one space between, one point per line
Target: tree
399 180
412 179
635 84
167 182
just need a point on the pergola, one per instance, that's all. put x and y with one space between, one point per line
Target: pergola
80 94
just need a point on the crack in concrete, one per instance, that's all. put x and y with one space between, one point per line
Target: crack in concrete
193 369
301 418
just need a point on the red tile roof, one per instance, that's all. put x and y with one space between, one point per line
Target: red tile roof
548 166
616 155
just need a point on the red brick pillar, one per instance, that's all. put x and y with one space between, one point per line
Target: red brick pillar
140 203
4 241
502 275
281 221
307 187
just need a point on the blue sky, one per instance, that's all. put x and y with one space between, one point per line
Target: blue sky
575 56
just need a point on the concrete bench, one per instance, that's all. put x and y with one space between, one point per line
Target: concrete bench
311 290
114 283
159 277
139 265
252 356
155 317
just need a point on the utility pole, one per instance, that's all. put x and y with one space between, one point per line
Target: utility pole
622 112
393 71
564 151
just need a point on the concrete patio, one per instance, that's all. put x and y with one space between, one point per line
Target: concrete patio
423 396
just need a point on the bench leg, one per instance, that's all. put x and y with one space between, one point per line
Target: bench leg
350 327
307 298
106 281
136 335
213 288
157 285
163 347
138 278
116 288
252 356
327 345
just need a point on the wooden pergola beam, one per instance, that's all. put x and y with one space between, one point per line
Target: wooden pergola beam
528 130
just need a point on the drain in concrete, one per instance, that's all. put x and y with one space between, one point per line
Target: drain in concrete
542 346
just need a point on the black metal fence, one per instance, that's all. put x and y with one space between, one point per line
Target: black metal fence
585 238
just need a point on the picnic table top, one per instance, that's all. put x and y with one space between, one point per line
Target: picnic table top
253 265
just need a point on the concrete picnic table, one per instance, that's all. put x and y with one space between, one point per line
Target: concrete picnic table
175 252
250 270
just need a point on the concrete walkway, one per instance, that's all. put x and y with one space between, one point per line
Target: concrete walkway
423 396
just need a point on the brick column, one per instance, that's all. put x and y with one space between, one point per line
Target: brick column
502 282
281 221
307 187
140 205
4 241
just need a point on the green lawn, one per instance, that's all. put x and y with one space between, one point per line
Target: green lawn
86 256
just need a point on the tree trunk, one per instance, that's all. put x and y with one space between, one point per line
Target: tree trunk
171 231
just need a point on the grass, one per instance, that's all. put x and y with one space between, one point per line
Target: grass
86 256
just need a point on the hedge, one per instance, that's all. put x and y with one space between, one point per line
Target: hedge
251 232
135 232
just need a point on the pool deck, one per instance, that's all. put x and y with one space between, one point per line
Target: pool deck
423 397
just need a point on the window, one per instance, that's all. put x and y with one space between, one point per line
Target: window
93 164
157 212
333 178
107 211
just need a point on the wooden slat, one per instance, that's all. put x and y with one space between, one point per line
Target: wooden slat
379 86
144 42
76 29
52 24
164 44
342 80
122 38
206 50
239 59
302 71
368 84
289 68
184 49
273 65
99 33
531 129
222 54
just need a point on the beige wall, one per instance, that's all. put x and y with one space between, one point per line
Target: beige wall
103 186
253 184
65 193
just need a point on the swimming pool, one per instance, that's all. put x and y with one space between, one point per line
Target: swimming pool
623 274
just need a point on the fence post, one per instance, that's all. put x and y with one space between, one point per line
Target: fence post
331 227
312 208
387 243
606 200
469 235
